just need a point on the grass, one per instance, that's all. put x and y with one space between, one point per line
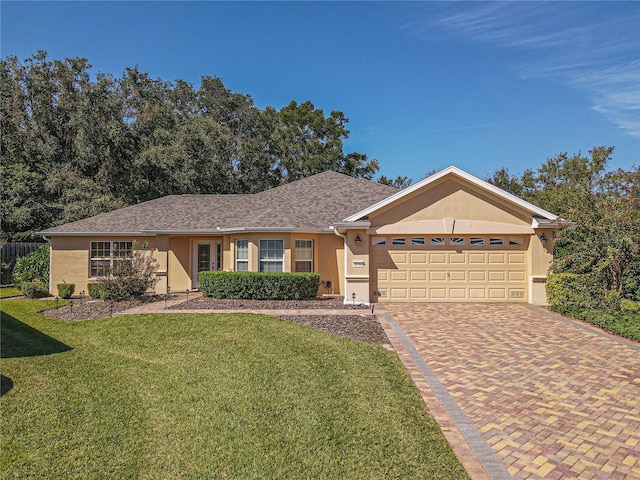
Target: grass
7 292
206 396
625 324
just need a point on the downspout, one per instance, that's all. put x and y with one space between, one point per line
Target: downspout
48 240
344 237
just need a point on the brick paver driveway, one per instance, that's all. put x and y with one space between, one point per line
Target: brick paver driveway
552 398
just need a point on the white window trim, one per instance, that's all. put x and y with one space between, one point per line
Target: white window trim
110 258
296 253
261 261
244 261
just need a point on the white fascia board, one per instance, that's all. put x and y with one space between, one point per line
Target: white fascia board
452 169
352 225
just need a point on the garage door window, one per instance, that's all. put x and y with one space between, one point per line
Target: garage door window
515 241
496 241
437 241
378 241
398 241
456 240
476 241
418 241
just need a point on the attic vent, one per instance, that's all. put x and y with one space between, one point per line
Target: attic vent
517 293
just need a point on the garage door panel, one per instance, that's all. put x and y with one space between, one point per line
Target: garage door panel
441 275
517 258
457 258
457 276
437 276
477 275
398 293
497 258
418 293
399 258
479 258
438 293
418 258
418 275
398 275
516 276
496 275
438 258
457 293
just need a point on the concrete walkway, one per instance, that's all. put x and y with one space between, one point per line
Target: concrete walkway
523 393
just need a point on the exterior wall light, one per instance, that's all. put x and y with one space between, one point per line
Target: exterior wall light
358 239
543 239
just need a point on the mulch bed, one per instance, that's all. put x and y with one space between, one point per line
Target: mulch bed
357 322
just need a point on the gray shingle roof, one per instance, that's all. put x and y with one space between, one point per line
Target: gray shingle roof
311 203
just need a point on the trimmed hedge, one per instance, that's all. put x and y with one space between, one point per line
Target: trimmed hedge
34 290
94 288
259 285
569 293
65 290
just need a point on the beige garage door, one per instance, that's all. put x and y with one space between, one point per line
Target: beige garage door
442 275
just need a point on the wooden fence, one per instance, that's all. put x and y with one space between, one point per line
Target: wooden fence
12 251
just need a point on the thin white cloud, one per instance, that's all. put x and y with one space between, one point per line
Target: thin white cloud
594 46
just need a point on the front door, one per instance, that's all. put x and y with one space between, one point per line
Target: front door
207 255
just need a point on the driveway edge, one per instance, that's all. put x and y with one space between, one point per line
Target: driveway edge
475 455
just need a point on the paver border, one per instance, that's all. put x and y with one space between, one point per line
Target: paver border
475 454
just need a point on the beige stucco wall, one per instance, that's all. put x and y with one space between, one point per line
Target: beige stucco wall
451 199
70 259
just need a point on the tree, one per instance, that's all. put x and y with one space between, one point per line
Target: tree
602 235
399 182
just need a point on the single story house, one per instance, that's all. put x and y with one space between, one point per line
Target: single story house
451 237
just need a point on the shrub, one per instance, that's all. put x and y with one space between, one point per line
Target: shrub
259 285
65 290
131 278
33 267
93 289
629 306
569 293
34 290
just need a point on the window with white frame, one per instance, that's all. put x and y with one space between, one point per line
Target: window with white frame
271 255
107 257
304 255
242 255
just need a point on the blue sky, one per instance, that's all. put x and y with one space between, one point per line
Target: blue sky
481 85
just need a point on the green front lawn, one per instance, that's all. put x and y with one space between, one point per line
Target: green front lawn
206 396
6 292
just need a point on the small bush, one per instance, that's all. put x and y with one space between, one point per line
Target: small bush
93 289
65 290
34 290
568 293
259 286
629 306
33 267
131 277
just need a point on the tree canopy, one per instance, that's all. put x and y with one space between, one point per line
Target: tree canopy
73 146
601 236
